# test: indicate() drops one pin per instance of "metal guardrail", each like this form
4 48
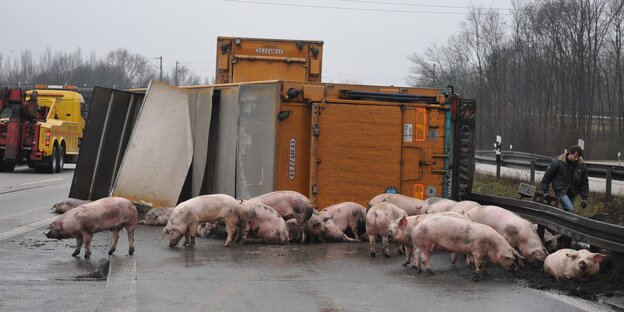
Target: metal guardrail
595 233
523 160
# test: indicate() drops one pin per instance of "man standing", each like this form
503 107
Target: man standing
568 175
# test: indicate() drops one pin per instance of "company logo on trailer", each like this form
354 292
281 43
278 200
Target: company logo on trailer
292 159
269 51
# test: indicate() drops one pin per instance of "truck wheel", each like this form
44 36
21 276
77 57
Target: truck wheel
60 159
7 166
50 162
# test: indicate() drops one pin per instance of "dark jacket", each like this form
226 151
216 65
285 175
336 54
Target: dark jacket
558 173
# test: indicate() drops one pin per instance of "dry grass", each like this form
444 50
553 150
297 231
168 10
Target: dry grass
598 209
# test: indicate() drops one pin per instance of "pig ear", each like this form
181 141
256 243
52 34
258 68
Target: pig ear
599 257
403 222
326 218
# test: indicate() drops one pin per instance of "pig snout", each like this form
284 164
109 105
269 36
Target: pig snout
174 238
582 266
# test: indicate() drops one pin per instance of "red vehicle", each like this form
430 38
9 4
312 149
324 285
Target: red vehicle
40 127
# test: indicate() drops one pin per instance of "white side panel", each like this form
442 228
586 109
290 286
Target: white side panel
160 149
255 155
225 169
201 104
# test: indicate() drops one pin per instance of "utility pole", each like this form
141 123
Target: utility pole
160 67
176 73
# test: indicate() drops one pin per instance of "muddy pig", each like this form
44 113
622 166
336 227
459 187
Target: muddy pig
465 206
570 263
378 219
187 215
264 222
411 205
111 213
343 216
158 216
400 231
437 204
462 236
65 205
517 231
289 204
315 228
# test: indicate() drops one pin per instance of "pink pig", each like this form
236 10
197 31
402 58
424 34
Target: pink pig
187 215
343 216
570 263
479 241
437 204
289 204
110 213
465 206
519 232
264 222
315 227
411 205
400 231
378 218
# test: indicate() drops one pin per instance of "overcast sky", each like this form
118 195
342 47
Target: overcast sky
365 41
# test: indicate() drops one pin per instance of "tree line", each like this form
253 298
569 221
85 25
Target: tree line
547 74
119 69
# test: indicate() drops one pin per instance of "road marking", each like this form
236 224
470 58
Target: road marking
120 292
26 228
41 181
577 302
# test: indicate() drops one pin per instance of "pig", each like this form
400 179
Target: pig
314 227
479 241
289 204
437 204
158 216
378 218
294 232
216 229
400 231
67 204
266 223
464 206
411 205
573 264
347 215
517 231
110 213
187 215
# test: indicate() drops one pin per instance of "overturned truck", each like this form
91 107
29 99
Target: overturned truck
331 142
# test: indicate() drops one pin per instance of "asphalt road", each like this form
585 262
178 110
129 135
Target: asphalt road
39 274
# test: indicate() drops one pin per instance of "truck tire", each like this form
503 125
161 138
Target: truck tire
7 166
60 159
50 161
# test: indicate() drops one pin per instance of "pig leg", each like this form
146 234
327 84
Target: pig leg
303 233
386 249
371 243
87 244
426 254
130 231
409 250
231 231
355 232
453 258
78 246
115 239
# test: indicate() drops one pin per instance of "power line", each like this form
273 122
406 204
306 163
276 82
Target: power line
342 8
416 4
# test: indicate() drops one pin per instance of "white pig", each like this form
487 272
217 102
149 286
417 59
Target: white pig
411 205
573 264
378 218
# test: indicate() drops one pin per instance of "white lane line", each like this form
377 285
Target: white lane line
579 303
26 228
41 181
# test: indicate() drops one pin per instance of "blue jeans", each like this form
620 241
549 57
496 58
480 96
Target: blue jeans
567 203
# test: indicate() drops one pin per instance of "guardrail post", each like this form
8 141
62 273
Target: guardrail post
566 242
498 165
540 231
609 180
532 171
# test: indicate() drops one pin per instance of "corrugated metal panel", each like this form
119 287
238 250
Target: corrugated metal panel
112 115
160 150
225 169
255 168
359 150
